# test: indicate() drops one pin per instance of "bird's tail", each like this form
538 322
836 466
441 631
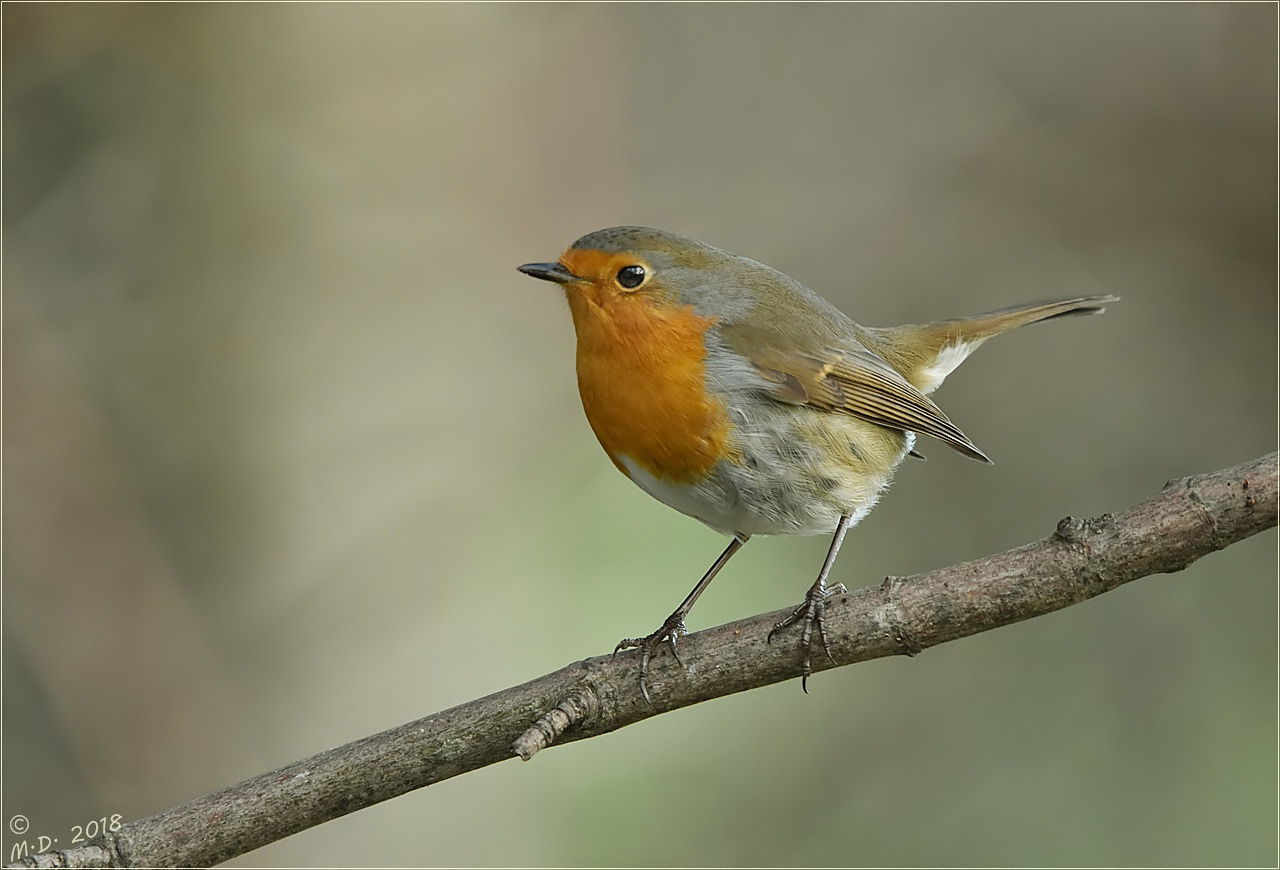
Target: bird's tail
927 353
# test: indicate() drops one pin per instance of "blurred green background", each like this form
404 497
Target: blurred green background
293 454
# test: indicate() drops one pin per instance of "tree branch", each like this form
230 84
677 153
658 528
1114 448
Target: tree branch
1189 519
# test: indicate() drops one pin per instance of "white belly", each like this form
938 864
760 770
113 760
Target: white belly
783 487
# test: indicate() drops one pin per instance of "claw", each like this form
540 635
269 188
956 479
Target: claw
673 627
810 612
814 607
649 646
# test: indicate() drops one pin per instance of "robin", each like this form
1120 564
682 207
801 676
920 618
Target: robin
740 397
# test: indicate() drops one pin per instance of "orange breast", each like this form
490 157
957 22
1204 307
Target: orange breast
641 373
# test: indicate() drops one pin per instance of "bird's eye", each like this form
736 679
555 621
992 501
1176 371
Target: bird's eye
631 277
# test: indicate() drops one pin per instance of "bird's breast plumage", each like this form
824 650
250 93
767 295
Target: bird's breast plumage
642 379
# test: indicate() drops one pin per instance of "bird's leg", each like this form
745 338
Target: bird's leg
674 624
814 607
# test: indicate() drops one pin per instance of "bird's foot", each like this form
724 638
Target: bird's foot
649 646
812 611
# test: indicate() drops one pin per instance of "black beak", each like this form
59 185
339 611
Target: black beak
549 272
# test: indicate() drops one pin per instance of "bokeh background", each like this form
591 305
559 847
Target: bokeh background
293 454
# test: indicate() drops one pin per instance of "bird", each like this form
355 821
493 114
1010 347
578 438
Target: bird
738 396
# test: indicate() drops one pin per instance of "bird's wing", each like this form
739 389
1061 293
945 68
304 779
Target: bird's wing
849 380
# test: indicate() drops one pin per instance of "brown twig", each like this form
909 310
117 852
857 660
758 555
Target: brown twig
1189 519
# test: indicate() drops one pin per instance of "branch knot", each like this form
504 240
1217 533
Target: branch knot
576 708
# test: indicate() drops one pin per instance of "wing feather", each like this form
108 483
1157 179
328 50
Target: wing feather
850 380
